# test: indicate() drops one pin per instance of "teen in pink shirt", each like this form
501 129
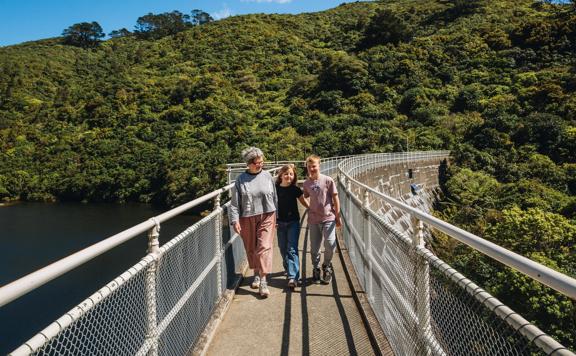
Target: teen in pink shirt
323 218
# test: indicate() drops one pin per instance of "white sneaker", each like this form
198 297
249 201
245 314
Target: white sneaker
264 291
255 283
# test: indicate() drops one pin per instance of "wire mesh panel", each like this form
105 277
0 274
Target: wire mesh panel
233 255
463 325
191 318
160 305
459 324
395 293
183 261
187 286
353 233
114 324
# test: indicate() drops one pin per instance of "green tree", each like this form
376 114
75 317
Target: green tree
548 132
465 7
535 231
469 188
84 34
470 196
548 239
469 99
542 168
386 27
529 193
153 26
200 17
123 32
344 72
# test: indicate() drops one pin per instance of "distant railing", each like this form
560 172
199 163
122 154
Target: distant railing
423 305
329 166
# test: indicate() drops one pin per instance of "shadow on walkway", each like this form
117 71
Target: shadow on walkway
311 320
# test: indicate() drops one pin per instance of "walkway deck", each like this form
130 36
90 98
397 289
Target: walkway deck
312 320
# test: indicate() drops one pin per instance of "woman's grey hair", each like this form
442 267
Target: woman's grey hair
251 153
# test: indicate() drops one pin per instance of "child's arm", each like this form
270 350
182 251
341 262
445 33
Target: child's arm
303 201
336 203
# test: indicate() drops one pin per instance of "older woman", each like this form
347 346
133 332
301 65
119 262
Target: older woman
253 216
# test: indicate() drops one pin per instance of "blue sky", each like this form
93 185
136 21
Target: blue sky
29 20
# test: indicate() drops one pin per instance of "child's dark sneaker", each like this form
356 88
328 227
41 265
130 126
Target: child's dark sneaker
316 276
327 272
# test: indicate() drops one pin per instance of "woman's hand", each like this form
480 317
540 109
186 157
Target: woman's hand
237 227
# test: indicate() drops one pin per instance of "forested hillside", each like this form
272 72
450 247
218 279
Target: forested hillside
153 119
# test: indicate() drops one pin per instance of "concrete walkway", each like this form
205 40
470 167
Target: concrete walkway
312 320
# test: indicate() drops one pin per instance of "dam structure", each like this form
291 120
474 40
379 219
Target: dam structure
391 295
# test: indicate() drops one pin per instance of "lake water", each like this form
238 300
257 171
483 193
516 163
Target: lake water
33 235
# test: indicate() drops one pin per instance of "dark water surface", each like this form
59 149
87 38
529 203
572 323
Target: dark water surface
33 235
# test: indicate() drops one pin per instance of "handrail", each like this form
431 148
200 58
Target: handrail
553 279
242 166
21 286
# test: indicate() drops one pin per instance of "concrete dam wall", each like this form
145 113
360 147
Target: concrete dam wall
416 183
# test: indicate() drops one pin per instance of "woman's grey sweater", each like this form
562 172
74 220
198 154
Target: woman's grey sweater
253 194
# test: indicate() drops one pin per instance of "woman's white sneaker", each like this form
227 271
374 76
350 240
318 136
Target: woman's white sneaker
255 282
264 291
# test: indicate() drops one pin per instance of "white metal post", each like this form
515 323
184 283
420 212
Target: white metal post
368 243
348 185
218 243
152 322
421 282
229 172
348 218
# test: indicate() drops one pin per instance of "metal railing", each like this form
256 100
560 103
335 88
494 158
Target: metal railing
162 304
423 305
329 166
159 306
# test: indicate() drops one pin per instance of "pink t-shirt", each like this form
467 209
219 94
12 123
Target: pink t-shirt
320 192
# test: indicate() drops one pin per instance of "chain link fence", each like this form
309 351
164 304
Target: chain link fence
160 306
423 305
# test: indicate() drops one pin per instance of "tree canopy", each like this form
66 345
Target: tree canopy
155 26
200 17
84 34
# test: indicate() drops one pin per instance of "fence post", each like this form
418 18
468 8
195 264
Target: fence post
218 242
348 185
368 243
421 282
152 323
346 215
229 173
